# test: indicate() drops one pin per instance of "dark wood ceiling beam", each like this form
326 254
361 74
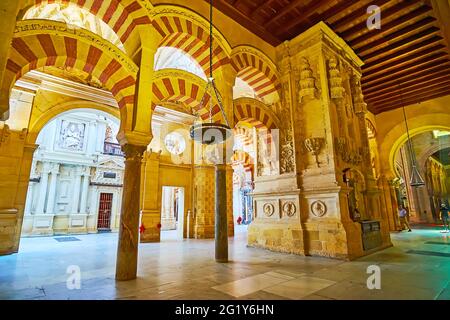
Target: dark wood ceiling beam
304 14
403 52
425 97
396 91
406 85
417 90
355 15
415 71
407 69
386 65
288 9
392 25
426 34
408 100
245 21
398 35
412 76
259 9
353 32
322 17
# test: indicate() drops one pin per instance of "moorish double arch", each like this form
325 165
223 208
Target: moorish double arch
181 87
249 108
49 43
185 30
258 71
122 16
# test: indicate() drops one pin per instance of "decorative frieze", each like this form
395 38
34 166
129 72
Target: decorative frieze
307 81
337 90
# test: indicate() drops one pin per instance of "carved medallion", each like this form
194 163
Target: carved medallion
268 209
318 208
289 208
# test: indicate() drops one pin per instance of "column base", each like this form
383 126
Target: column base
78 223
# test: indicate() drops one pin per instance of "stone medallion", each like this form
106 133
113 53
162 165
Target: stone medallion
318 208
289 208
268 209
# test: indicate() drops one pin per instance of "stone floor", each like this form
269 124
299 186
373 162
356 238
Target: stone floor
417 267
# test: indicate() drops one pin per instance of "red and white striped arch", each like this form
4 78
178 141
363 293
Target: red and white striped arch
182 87
258 72
36 49
123 16
187 31
248 108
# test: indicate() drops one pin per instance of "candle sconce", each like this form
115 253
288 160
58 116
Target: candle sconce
314 145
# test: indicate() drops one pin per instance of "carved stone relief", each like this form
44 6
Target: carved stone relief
289 208
318 208
268 209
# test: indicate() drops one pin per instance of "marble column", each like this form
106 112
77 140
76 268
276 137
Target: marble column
84 192
127 251
76 190
221 224
42 188
52 191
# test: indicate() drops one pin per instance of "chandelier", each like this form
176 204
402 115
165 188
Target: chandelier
416 179
211 132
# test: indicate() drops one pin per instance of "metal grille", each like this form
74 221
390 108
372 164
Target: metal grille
104 211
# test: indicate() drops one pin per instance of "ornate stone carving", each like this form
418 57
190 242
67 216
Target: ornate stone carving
287 160
307 81
344 151
358 98
71 136
289 208
336 89
318 208
268 209
133 152
314 145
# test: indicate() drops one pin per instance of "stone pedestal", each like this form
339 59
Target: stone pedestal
43 224
127 251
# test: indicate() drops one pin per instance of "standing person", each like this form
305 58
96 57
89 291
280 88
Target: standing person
444 217
403 214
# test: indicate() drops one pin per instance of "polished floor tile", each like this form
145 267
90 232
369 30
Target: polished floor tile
186 269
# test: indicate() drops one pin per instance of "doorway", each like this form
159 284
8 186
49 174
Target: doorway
104 212
172 213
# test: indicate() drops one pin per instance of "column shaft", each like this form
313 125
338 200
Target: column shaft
52 192
84 194
127 251
221 225
42 192
76 192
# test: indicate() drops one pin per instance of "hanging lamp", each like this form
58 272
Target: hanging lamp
210 132
416 179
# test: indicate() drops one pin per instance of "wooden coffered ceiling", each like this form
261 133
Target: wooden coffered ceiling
406 61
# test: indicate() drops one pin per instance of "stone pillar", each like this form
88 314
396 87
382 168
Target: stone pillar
43 184
52 191
127 251
84 191
221 224
151 211
76 190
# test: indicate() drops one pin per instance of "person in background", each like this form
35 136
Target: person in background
403 214
444 216
239 220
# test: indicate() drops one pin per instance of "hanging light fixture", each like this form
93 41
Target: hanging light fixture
416 179
211 132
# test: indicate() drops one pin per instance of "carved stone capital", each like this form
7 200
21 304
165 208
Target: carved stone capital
133 152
